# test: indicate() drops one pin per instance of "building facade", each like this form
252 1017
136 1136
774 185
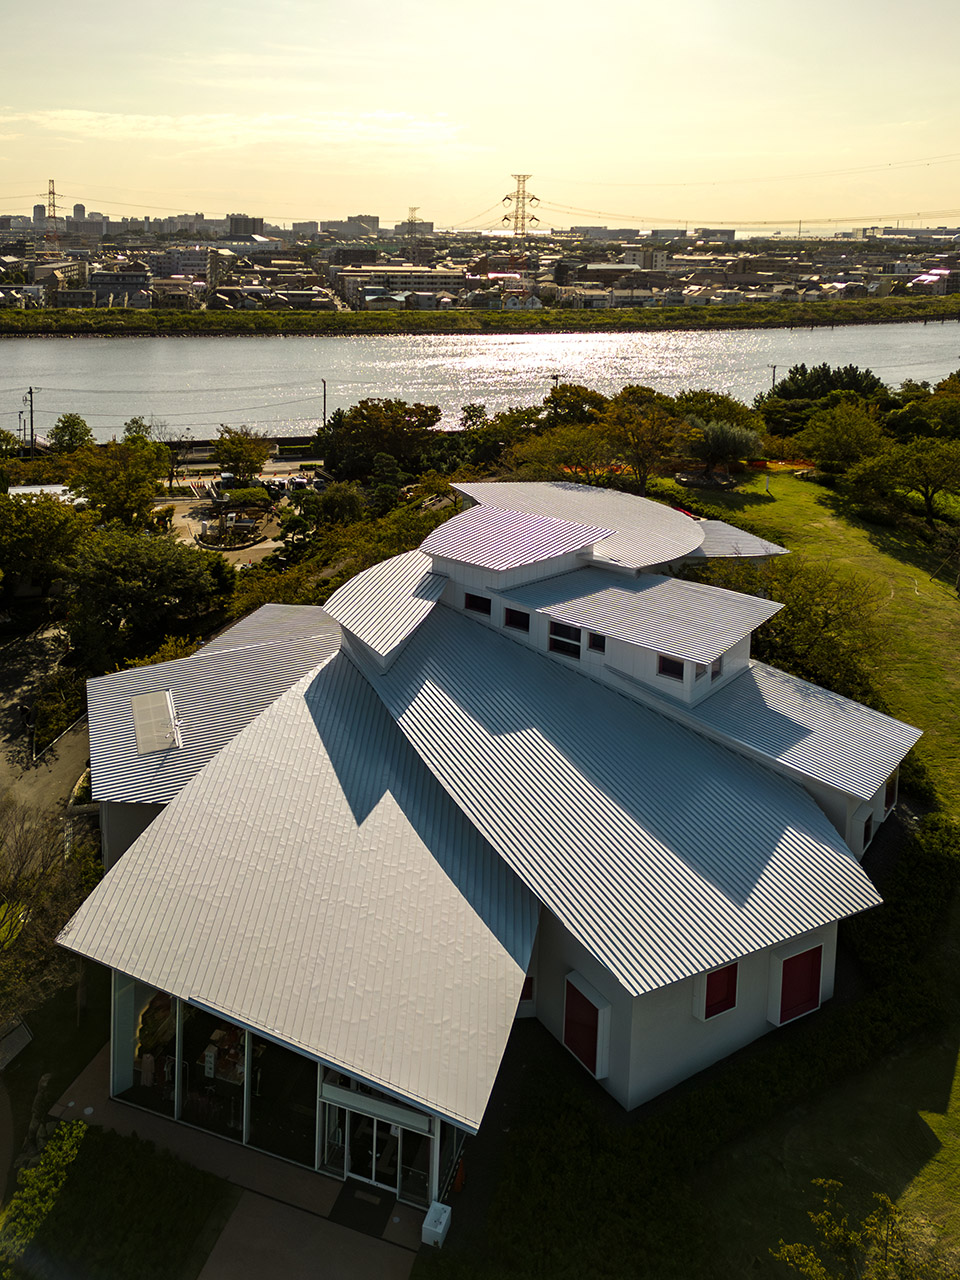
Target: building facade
522 771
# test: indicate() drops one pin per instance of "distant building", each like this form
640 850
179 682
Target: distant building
362 224
39 214
649 259
724 236
306 228
241 225
668 233
79 212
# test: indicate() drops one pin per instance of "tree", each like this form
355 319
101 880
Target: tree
571 405
576 452
718 442
241 451
178 444
838 437
923 466
883 1245
802 383
137 428
120 480
127 588
9 444
831 629
39 537
41 886
70 433
642 428
353 439
710 405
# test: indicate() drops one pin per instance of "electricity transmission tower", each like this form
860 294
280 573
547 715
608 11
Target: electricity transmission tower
53 231
523 203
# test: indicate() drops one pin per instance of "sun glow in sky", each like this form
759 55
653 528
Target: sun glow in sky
623 113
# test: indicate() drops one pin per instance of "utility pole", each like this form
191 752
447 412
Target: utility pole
773 380
324 381
28 400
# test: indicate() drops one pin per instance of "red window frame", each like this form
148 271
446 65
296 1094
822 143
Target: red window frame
581 1026
720 990
800 979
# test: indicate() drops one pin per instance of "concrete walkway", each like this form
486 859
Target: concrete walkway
280 1226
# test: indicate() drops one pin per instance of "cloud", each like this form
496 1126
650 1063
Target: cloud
232 131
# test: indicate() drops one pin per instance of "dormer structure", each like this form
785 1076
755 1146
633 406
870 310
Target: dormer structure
520 771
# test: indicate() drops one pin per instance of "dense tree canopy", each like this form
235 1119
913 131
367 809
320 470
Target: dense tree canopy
69 433
39 537
120 480
241 451
354 438
839 436
41 885
719 443
128 588
830 630
925 467
643 429
802 383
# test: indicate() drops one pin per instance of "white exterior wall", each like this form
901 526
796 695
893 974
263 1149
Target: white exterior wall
669 1042
120 825
558 953
656 1040
471 578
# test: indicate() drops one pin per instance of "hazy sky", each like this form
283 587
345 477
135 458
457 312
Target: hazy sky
624 112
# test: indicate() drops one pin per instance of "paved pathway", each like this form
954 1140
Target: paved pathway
280 1226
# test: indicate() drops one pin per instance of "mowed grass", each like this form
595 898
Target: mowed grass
895 1129
920 606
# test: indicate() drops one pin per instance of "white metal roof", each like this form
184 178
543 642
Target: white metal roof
645 533
384 605
681 619
216 692
272 622
725 540
315 883
493 538
664 854
818 733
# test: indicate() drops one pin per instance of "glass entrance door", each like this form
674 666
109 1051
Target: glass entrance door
333 1145
374 1151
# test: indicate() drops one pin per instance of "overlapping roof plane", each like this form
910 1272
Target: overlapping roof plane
383 606
644 533
682 619
498 539
819 734
628 827
216 692
314 883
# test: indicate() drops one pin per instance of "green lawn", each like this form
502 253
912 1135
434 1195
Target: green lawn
894 1128
156 1217
921 676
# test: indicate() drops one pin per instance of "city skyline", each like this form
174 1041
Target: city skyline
626 116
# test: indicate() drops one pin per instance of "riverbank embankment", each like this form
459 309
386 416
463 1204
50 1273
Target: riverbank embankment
120 322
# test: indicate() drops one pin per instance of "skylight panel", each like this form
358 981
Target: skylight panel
155 721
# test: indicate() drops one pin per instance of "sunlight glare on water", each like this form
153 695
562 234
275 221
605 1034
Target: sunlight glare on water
276 384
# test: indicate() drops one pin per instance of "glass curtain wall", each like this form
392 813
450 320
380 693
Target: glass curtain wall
144 1045
283 1102
241 1086
213 1067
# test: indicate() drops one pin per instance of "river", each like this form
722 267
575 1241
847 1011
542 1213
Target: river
276 383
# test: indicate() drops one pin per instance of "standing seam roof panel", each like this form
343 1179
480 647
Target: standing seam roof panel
627 826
